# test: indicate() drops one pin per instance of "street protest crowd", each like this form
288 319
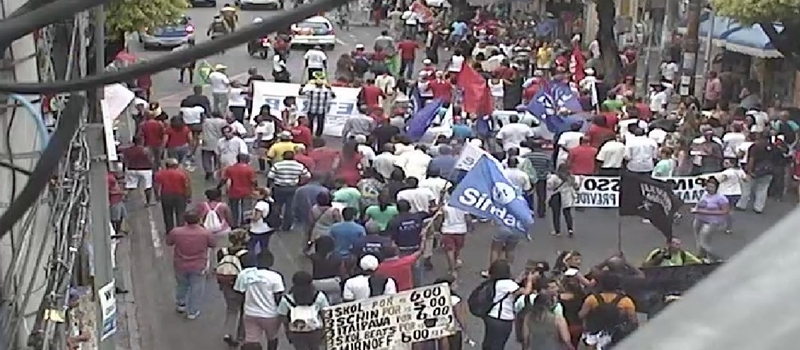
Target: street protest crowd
517 123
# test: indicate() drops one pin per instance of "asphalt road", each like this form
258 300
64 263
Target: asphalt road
159 327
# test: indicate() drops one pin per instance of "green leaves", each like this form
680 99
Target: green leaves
754 11
127 16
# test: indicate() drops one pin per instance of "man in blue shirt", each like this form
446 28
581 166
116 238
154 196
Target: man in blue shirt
347 232
459 31
371 244
405 229
444 163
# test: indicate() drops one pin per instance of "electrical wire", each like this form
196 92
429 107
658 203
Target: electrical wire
14 167
35 114
16 27
68 123
175 59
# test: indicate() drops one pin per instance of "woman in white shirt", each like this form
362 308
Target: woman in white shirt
237 103
496 87
730 186
266 127
499 321
260 231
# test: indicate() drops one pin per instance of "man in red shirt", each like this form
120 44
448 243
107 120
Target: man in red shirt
190 243
408 53
324 157
370 94
152 132
581 159
241 180
599 131
174 190
301 133
400 268
301 156
441 88
116 196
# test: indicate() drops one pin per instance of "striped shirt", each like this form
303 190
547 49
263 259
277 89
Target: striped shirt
538 163
287 173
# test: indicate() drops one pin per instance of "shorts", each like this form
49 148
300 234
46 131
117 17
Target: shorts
505 239
117 212
599 340
255 327
452 242
196 128
136 178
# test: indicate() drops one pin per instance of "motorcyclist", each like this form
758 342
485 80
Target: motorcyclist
217 28
257 45
230 15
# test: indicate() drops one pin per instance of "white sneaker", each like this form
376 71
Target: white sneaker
645 221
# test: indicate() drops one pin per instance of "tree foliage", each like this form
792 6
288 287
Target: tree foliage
127 16
757 11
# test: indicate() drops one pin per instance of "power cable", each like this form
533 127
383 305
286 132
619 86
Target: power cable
68 123
177 58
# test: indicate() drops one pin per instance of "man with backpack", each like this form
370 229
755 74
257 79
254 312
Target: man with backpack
263 289
608 315
367 283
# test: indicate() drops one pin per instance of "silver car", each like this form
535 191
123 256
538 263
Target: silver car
168 36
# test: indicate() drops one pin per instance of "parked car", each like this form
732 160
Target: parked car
313 31
203 3
265 4
168 36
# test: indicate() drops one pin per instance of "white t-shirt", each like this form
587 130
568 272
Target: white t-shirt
367 152
357 288
420 198
414 162
238 128
503 298
192 115
410 18
219 82
611 154
236 98
518 178
514 134
437 185
668 70
658 135
731 182
744 147
455 221
260 226
496 88
568 141
658 101
624 123
315 58
266 129
640 151
456 63
731 142
259 296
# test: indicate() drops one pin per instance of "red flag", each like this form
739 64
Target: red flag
477 97
577 63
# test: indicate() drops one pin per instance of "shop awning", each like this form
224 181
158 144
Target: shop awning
751 41
721 25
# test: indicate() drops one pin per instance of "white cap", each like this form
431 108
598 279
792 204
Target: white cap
427 61
369 263
359 46
589 71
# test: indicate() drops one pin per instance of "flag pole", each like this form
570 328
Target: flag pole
619 233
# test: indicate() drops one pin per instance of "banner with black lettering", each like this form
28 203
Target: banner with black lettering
648 198
603 191
390 322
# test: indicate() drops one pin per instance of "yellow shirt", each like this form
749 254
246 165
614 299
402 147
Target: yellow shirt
544 57
276 151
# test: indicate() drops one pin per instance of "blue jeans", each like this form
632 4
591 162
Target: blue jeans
189 286
238 207
259 242
181 153
284 198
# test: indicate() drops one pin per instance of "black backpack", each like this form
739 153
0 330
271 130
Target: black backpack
607 317
377 285
273 218
481 300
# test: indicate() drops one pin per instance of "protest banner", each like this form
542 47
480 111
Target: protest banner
390 322
344 106
603 191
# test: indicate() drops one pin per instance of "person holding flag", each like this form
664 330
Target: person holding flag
487 193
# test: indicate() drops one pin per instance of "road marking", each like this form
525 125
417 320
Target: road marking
341 42
154 235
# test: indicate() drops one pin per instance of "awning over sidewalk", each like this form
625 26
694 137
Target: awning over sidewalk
751 41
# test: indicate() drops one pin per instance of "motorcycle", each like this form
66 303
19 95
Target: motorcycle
260 47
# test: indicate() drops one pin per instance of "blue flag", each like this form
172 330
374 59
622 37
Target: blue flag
548 100
415 100
487 193
422 120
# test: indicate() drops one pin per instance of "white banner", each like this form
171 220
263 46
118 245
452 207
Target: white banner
272 94
603 191
470 154
390 322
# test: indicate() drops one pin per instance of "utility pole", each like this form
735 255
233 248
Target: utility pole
104 288
691 45
22 148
